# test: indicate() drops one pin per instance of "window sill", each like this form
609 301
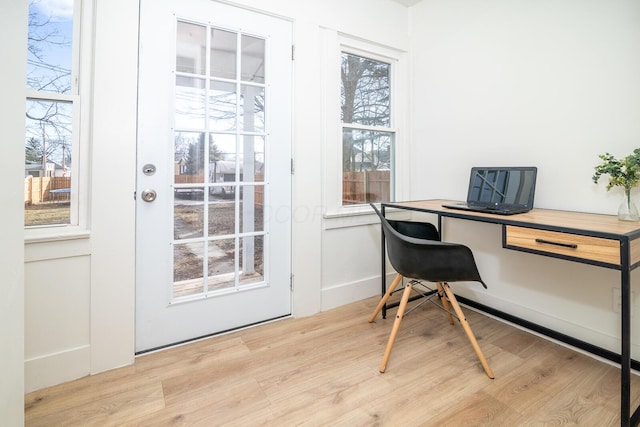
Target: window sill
357 216
54 234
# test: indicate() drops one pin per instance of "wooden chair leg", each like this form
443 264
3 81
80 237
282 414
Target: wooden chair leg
467 329
396 326
445 301
386 296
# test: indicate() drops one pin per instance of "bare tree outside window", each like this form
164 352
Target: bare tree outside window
49 47
367 137
49 113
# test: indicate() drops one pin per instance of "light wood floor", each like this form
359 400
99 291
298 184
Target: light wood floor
323 370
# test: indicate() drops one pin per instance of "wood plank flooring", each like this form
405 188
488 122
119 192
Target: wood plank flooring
323 370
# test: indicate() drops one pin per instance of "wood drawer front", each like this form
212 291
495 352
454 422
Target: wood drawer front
555 242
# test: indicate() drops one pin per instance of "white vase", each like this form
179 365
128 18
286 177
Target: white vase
628 211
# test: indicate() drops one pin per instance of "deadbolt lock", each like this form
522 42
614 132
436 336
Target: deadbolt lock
149 169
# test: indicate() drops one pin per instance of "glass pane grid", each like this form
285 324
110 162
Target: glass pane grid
218 227
367 133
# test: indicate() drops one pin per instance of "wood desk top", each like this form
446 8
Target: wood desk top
583 223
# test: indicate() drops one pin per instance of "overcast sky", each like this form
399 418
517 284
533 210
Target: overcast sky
58 10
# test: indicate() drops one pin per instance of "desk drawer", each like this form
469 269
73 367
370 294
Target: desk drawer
563 244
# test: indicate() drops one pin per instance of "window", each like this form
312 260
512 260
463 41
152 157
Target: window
363 127
367 133
52 113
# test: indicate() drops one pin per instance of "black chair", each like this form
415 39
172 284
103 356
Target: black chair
416 253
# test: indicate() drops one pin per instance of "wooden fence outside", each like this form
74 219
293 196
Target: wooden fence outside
41 189
259 191
366 186
357 187
199 179
189 179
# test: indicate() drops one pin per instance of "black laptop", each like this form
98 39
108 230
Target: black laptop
500 190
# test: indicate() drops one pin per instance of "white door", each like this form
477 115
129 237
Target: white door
214 171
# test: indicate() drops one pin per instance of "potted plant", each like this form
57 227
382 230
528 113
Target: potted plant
624 173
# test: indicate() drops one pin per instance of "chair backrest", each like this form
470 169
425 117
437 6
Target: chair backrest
419 230
416 256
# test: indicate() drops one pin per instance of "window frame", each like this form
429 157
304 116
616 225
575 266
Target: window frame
79 98
334 45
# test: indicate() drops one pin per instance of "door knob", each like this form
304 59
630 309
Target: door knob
149 195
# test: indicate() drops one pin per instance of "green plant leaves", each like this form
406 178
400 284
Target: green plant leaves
622 172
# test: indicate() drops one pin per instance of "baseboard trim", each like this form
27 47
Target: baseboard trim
346 293
56 368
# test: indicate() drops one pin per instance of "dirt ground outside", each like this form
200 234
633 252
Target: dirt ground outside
189 221
47 214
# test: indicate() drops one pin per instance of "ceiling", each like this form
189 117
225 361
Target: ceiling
407 2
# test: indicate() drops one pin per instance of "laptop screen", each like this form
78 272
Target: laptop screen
500 186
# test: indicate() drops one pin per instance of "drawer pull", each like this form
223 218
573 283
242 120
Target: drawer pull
564 245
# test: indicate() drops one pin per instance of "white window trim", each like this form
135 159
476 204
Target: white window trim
334 44
81 81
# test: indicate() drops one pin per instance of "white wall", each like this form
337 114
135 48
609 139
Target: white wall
13 21
57 312
544 83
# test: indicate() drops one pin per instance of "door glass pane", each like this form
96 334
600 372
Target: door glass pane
189 157
188 213
251 260
223 175
188 269
222 216
190 48
222 155
223 53
221 264
252 59
216 150
190 105
251 208
222 106
47 150
252 153
251 108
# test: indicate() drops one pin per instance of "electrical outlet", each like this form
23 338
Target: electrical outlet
617 301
